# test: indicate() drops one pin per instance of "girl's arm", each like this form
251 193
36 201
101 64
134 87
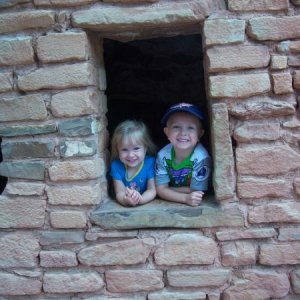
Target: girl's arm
121 195
150 193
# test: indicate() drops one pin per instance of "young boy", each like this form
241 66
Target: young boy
183 167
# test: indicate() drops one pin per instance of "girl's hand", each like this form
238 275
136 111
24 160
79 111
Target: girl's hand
132 197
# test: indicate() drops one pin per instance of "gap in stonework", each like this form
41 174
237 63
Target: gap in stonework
3 179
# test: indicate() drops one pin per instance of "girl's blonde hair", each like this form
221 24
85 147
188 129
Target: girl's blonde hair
132 131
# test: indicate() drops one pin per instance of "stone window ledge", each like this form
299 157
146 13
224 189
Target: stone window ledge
164 214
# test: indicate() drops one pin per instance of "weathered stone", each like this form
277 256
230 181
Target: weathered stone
126 252
77 148
239 86
195 278
28 149
296 185
72 282
186 249
278 62
296 2
294 61
68 219
224 31
259 233
23 169
22 212
76 170
261 108
129 281
9 3
130 18
223 176
14 285
282 83
289 234
58 77
100 234
74 103
62 47
262 28
176 295
25 188
19 250
266 160
254 284
130 1
253 5
249 132
281 212
74 194
31 107
18 130
58 258
61 237
238 254
295 279
224 59
279 254
6 82
26 20
259 188
16 51
159 214
63 3
291 124
296 80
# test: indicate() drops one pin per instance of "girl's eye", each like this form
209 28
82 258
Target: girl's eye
136 148
124 149
191 128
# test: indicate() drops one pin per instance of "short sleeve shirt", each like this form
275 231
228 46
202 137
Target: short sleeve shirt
193 172
140 180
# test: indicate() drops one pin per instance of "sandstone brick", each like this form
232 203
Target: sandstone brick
261 108
19 250
18 108
259 233
22 212
9 3
256 284
295 279
296 80
213 296
249 132
279 254
224 31
14 285
26 20
74 194
25 188
293 61
278 62
77 148
225 59
260 188
58 258
296 2
289 234
16 51
72 282
253 5
224 86
19 130
23 169
126 252
296 185
129 281
186 249
76 170
262 28
58 77
197 278
63 3
282 83
176 295
74 103
68 219
238 254
28 149
224 177
281 212
6 82
130 1
62 47
266 160
61 237
99 234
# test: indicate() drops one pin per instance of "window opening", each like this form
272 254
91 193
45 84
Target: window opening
3 179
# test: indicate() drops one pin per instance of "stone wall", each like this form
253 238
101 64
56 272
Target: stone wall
54 142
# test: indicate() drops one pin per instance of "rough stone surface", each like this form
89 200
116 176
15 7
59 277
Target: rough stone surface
77 148
178 295
58 258
279 62
296 185
6 82
253 5
295 277
246 234
282 83
68 219
61 237
9 3
62 3
289 234
296 80
25 188
19 130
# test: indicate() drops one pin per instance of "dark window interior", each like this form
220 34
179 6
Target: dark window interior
3 180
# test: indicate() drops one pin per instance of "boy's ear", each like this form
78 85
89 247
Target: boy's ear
201 132
166 131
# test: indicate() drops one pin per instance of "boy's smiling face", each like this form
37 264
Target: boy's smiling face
183 130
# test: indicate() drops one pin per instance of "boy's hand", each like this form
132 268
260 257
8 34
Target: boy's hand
194 198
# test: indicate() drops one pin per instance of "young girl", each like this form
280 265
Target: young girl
132 171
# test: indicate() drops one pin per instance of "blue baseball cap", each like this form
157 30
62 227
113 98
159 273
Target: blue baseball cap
179 107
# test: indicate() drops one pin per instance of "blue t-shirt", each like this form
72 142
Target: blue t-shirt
140 180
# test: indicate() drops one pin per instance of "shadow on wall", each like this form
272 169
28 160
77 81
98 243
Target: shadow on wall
3 180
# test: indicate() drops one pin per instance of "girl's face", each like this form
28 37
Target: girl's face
183 131
131 153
